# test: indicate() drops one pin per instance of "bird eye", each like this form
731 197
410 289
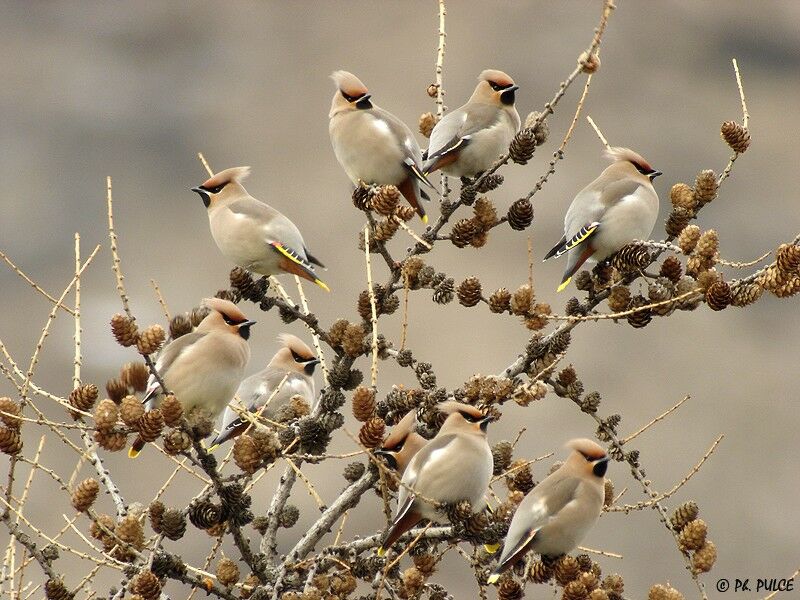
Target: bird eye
349 98
642 170
228 320
215 190
297 357
495 86
470 417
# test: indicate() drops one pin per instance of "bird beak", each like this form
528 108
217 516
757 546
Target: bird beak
655 174
203 194
365 97
247 324
513 88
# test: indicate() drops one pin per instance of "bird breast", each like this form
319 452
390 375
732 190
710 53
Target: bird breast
367 149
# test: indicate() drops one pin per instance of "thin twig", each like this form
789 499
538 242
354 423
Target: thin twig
598 132
161 300
33 284
373 308
653 422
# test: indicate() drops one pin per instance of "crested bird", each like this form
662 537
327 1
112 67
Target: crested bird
251 233
455 465
618 207
295 361
402 443
372 145
558 513
203 368
469 139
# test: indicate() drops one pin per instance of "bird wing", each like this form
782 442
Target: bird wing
565 245
167 357
455 129
412 155
539 507
275 226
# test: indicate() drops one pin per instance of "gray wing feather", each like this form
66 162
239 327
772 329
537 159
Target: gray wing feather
168 356
460 124
276 226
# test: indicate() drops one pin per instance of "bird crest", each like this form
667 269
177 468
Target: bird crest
236 174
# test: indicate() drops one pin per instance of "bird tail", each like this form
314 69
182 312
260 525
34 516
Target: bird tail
405 520
292 262
575 262
410 190
136 447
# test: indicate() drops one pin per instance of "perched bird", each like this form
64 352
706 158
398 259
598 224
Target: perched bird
402 443
558 513
295 361
616 208
455 465
203 368
251 233
469 139
372 145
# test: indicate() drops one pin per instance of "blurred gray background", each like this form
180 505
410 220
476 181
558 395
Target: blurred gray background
135 90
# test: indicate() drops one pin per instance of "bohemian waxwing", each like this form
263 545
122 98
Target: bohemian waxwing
455 465
558 513
402 443
203 368
616 208
251 233
295 360
372 145
469 139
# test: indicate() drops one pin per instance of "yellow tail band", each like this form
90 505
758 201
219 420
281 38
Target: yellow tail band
493 578
132 452
381 551
564 284
321 284
491 548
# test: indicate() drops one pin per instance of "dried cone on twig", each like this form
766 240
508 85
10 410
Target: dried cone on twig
677 220
705 186
105 415
540 572
469 292
688 238
566 569
509 590
173 524
85 494
176 441
427 121
116 390
179 325
632 257
787 259
227 572
151 339
363 403
112 441
54 589
246 454
619 298
135 375
147 585
744 294
171 410
671 269
520 214
131 410
523 145
150 425
84 397
660 592
705 557
500 301
683 196
124 329
718 295
736 136
371 432
693 535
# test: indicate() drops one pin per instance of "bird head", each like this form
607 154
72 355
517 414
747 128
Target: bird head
294 356
225 316
494 87
464 417
588 457
225 184
631 162
402 443
350 94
